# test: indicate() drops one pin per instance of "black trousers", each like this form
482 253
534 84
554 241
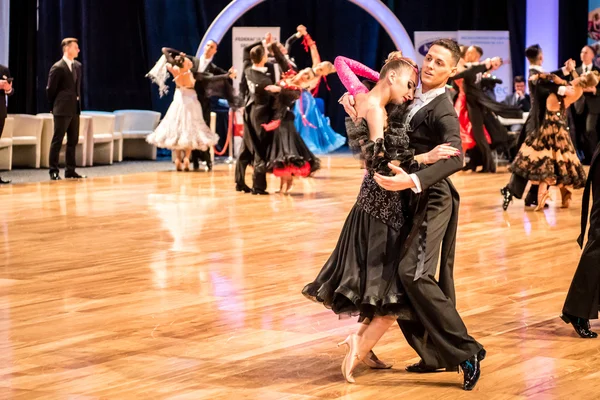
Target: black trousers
439 335
246 157
70 126
591 134
583 297
517 184
483 147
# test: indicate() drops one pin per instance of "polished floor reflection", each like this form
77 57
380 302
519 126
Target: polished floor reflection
173 286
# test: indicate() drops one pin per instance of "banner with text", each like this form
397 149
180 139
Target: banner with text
423 40
594 27
245 36
494 44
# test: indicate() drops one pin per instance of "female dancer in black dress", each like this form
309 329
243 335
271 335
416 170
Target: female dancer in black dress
360 277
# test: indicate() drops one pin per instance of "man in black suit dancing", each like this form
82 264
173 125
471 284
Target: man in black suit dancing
64 94
6 89
438 333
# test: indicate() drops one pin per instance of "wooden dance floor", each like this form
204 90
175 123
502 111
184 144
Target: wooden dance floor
171 285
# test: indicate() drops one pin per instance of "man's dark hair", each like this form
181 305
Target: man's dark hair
451 45
532 53
67 41
519 79
257 54
592 49
479 50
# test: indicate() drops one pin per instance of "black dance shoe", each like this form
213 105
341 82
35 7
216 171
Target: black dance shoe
581 326
74 175
54 176
244 188
508 197
472 370
260 192
3 182
421 368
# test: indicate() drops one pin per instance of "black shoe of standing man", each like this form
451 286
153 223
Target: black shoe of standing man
3 182
74 175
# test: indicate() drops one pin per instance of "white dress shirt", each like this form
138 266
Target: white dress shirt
204 63
69 63
420 101
586 68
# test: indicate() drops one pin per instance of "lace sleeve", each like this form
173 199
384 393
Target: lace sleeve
349 70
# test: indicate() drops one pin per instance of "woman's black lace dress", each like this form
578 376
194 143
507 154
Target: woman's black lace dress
360 277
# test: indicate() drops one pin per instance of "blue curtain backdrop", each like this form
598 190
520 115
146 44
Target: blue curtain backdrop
121 39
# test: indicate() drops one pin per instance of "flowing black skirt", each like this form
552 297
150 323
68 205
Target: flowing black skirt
288 154
360 277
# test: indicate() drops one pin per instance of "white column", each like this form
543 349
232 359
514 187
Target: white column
542 28
4 30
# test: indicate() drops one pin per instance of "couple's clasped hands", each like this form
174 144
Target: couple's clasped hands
401 180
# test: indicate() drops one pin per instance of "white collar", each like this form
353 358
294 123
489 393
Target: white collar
204 60
538 68
260 69
583 66
430 95
69 62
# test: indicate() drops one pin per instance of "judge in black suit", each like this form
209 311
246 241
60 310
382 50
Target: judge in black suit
6 89
589 106
519 99
517 184
259 110
438 334
582 300
205 71
64 94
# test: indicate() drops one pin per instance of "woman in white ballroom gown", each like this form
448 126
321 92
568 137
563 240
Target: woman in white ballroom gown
183 128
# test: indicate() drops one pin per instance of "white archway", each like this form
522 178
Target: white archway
376 8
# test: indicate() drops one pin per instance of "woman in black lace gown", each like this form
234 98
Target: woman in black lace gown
360 277
548 157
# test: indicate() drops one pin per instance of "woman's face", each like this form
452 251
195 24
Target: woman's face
304 76
324 68
403 85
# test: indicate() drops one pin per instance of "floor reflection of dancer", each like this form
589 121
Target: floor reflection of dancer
582 300
183 128
360 276
313 125
548 157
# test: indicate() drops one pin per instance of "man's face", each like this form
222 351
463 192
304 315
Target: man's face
472 55
587 56
520 87
210 49
72 50
438 66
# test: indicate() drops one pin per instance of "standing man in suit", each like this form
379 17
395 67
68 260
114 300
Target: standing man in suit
64 94
6 89
591 102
